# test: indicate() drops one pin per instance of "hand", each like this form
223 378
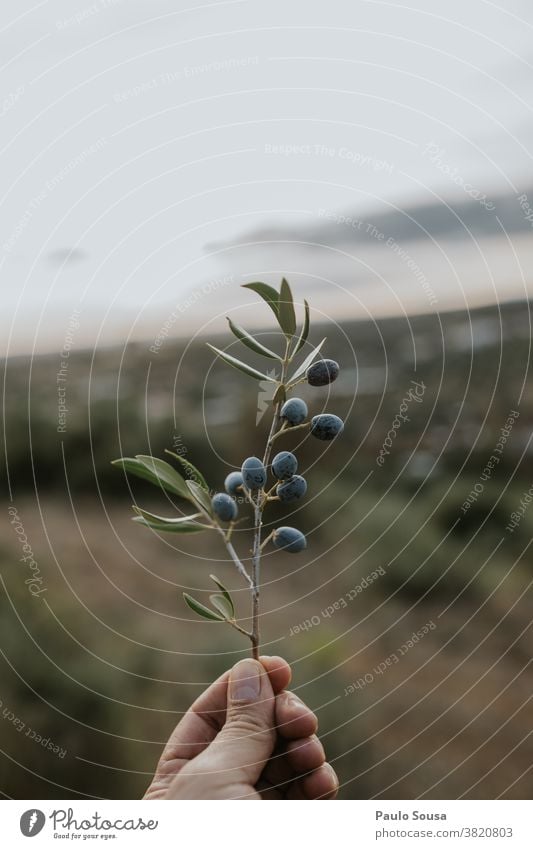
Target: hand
246 737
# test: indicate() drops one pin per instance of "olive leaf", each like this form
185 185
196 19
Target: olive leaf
250 342
167 476
223 606
306 363
174 525
199 495
191 469
268 293
286 316
135 467
225 593
232 361
156 471
202 610
302 339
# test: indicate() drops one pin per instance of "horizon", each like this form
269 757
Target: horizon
219 329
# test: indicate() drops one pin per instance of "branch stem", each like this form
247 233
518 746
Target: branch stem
256 565
258 513
238 628
267 540
290 430
235 557
296 382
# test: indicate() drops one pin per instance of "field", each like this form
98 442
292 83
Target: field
413 530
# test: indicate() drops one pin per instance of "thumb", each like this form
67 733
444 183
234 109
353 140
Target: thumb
247 739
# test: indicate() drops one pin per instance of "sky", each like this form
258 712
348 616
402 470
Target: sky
154 154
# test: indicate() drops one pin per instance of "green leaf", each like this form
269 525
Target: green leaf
162 471
156 471
202 610
184 528
302 339
224 607
174 525
134 467
192 470
268 293
250 342
225 593
200 496
241 366
287 317
154 517
306 363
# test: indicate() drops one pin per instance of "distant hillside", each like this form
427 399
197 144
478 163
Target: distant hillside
457 219
476 367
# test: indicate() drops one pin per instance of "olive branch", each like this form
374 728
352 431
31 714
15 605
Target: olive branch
219 512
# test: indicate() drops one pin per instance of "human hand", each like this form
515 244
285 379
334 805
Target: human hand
246 737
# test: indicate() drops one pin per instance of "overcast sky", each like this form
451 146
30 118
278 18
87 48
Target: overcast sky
144 143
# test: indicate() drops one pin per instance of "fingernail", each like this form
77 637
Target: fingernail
245 681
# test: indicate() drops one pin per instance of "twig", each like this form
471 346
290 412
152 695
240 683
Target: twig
238 628
229 546
235 557
289 430
256 564
267 540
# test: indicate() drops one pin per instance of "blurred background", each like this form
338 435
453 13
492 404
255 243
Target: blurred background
155 157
